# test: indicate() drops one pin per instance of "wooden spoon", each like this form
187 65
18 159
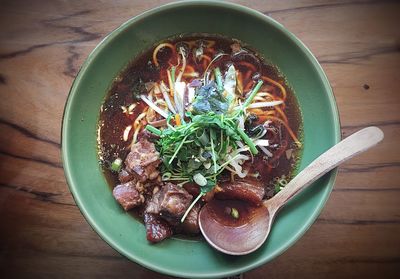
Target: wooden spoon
249 231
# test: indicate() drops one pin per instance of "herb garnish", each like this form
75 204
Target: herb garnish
203 147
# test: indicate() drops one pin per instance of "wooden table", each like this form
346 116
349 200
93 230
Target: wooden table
43 44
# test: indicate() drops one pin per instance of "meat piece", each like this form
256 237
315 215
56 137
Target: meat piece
124 176
143 160
127 195
192 188
171 202
249 190
157 229
191 223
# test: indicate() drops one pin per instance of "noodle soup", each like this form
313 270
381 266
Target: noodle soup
197 118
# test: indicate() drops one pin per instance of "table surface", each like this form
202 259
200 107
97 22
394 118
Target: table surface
43 44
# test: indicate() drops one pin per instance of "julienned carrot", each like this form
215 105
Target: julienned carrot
177 119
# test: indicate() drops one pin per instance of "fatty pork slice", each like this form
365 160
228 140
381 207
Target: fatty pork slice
170 202
127 195
143 160
249 190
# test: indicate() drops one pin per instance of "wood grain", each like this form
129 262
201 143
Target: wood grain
335 156
42 45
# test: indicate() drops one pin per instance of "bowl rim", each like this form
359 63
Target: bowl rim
170 6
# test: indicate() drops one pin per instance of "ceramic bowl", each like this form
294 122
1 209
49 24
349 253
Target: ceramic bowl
177 256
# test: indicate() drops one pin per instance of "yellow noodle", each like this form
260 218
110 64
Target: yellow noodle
283 90
157 49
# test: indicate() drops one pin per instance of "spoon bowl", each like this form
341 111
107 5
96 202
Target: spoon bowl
234 236
250 228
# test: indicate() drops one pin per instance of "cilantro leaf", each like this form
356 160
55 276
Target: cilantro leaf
209 99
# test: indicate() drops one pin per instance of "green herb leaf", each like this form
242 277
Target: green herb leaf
208 187
200 179
194 164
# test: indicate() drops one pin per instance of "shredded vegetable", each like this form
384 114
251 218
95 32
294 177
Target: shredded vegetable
163 113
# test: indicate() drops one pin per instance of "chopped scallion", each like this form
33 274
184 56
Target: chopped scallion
234 213
248 141
116 165
153 130
253 94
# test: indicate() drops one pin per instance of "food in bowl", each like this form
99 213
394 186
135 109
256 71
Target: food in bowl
197 117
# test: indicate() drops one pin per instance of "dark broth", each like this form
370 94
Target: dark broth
130 82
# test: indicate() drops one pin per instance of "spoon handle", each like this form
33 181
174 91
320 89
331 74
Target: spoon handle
344 150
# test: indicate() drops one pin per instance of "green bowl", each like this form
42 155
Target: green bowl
183 257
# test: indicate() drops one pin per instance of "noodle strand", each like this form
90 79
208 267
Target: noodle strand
158 48
283 90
